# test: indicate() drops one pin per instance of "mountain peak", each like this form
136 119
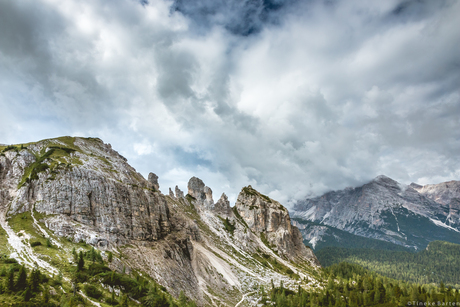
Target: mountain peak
200 192
383 179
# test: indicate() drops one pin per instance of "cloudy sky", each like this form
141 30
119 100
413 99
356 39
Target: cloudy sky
295 97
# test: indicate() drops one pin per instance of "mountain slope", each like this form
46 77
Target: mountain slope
319 236
383 209
81 190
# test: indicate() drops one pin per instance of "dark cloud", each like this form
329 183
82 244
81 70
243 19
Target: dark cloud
293 97
239 17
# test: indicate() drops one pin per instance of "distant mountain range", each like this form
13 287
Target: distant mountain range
407 216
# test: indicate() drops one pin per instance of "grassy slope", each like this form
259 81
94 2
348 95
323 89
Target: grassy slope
63 259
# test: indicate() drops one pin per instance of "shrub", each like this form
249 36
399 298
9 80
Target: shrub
229 226
96 268
92 291
10 260
109 256
35 243
111 301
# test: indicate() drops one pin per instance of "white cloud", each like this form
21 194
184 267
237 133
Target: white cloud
328 96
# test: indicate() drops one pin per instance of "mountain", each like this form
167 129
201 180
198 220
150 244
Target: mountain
79 193
383 209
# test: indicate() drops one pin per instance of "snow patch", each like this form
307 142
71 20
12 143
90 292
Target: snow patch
439 223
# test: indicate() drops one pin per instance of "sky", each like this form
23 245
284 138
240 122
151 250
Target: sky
293 97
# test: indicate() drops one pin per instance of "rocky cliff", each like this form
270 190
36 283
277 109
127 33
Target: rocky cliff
85 181
382 209
80 189
271 221
447 194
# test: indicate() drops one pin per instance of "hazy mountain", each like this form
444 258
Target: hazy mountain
384 209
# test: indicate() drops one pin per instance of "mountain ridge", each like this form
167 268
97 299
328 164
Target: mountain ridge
81 190
387 210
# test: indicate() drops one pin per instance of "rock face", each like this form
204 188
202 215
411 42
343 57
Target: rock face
201 193
89 183
383 209
447 194
153 180
222 206
441 193
270 220
82 189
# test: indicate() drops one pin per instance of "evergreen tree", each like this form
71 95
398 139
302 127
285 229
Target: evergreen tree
75 255
21 281
46 295
34 279
3 271
9 281
442 287
81 262
27 294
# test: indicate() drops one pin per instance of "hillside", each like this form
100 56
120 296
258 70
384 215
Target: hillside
439 262
70 191
352 285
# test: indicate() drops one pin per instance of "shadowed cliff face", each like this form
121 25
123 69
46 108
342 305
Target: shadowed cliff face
82 190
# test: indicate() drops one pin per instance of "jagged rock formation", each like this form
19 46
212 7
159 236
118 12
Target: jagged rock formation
82 189
271 221
381 209
200 193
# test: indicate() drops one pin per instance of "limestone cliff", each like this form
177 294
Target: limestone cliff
269 219
84 181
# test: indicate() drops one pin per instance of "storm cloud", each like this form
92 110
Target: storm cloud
295 98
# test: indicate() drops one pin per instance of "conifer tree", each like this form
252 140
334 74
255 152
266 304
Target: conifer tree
21 281
34 279
75 255
9 281
81 262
